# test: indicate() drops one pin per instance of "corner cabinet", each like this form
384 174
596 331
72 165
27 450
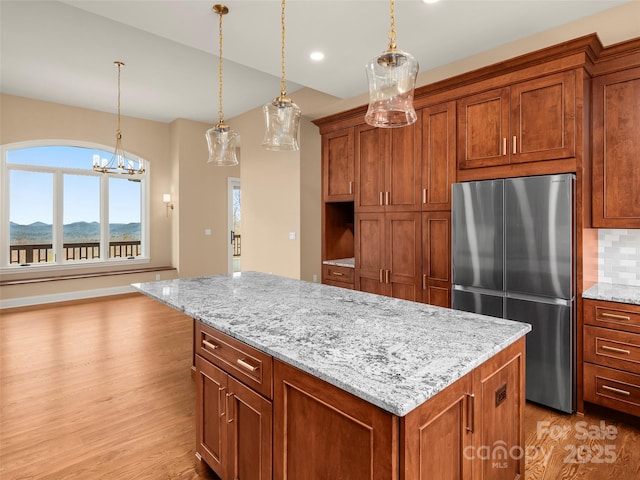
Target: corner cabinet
526 122
233 418
616 146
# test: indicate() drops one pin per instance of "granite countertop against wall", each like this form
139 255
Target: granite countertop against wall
392 353
613 293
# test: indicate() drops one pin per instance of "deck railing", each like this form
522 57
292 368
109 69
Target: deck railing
43 253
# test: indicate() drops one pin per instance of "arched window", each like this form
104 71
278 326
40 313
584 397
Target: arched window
57 212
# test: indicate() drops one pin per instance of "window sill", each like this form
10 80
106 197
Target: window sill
75 276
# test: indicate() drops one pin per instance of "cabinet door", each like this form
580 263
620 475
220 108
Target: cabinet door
249 424
616 145
483 128
370 253
436 258
322 432
498 422
438 436
543 118
372 150
338 166
438 155
211 429
403 254
402 171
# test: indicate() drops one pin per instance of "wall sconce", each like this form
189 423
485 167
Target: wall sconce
166 199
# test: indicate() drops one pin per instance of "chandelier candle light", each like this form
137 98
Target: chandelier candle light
119 163
282 116
221 140
392 78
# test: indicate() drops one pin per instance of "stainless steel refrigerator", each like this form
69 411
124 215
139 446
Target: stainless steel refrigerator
513 244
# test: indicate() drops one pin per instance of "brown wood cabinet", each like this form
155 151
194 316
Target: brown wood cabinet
388 254
321 431
387 166
526 122
436 258
612 355
233 422
616 145
438 155
338 166
338 276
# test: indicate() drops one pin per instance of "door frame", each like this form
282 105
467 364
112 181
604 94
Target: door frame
231 183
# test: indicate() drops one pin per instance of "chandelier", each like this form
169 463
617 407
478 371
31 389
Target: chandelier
119 162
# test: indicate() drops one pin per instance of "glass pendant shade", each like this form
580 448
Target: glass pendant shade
392 79
221 141
282 120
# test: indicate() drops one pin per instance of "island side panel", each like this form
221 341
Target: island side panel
499 440
321 431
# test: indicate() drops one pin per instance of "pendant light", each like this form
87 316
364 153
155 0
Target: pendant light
392 78
119 163
221 140
282 116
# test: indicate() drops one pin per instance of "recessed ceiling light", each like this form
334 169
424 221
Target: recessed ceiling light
316 56
429 1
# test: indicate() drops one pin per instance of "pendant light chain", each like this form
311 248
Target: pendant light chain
392 32
283 81
118 131
220 113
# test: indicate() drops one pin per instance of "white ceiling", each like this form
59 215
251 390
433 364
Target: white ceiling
63 51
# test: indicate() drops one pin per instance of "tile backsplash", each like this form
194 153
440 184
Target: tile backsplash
619 256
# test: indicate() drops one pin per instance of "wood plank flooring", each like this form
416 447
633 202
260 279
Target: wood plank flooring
102 390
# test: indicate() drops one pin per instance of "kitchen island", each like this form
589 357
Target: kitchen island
301 380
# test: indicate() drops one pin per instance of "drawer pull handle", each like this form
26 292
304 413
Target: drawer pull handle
227 408
616 390
337 274
424 195
246 366
616 350
471 414
211 346
617 317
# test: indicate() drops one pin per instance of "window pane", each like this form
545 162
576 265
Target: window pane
81 217
30 217
124 218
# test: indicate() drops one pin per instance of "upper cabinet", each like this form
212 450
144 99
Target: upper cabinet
387 165
616 150
337 165
526 122
438 155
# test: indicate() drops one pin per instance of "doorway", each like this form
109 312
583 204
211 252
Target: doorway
234 223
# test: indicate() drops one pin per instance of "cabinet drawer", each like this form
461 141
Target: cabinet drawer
619 316
333 283
249 365
612 388
612 348
337 274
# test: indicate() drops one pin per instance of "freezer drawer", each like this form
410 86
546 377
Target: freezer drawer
550 352
477 303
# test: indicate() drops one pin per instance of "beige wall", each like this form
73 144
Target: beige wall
310 196
270 201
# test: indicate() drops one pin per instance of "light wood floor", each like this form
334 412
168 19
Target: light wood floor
102 390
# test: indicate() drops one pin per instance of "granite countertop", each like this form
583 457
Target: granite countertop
392 353
613 293
341 262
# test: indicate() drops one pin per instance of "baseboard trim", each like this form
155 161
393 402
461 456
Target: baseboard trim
63 297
